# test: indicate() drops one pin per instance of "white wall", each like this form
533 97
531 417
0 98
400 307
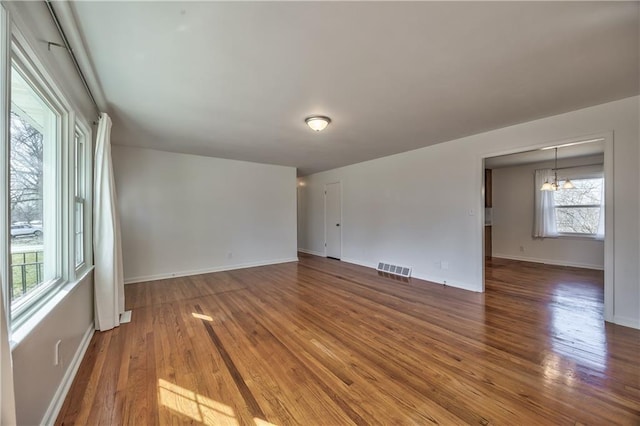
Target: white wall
186 214
512 213
424 206
39 383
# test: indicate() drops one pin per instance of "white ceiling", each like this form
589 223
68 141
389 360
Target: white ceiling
236 79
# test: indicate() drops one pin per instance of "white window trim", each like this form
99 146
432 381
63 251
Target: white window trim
577 173
17 47
85 131
5 108
30 71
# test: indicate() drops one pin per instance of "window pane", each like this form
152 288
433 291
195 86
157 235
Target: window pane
580 220
586 192
33 189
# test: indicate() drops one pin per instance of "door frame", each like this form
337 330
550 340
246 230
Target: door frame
325 216
609 255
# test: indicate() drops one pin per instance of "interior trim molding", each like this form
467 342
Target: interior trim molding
429 279
164 276
315 253
550 261
627 322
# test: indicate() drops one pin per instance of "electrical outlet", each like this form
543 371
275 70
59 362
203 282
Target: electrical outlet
522 248
230 255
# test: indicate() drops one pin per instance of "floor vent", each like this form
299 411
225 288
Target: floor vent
403 271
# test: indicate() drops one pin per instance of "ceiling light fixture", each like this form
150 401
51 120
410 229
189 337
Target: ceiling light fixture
317 122
555 185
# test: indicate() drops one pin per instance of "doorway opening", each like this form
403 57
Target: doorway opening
551 216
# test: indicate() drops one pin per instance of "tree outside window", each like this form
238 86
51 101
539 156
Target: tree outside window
578 210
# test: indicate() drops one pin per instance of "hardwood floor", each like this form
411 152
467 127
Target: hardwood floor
325 342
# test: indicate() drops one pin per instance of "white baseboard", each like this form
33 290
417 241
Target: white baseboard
626 321
315 253
549 261
53 410
431 279
207 270
450 283
360 263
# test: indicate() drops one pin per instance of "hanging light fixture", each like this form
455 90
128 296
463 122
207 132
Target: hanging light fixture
555 185
318 122
552 186
547 186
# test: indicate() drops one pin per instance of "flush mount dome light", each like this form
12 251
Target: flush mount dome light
317 122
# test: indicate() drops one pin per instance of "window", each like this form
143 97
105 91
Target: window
578 210
34 192
46 200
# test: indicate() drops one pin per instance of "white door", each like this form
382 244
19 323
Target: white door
332 220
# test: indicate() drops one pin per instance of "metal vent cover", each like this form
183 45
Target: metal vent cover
403 271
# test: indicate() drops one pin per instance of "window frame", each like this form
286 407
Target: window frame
35 62
85 133
575 176
26 63
5 110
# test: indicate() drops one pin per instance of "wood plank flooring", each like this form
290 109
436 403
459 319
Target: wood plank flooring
329 343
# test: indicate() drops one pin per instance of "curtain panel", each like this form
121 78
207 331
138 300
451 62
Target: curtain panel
544 218
108 274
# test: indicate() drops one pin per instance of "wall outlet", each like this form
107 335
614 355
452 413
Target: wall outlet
230 255
522 248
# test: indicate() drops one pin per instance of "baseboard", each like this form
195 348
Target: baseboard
627 322
315 253
449 283
431 279
549 261
207 270
359 263
53 410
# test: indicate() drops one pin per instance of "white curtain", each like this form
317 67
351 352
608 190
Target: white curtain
109 282
7 397
544 219
600 231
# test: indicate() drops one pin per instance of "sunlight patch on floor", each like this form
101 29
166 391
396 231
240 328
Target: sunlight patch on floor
195 406
202 316
260 422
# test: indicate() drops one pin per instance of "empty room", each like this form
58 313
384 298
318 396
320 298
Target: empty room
319 213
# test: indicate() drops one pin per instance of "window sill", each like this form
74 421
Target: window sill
589 237
19 334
